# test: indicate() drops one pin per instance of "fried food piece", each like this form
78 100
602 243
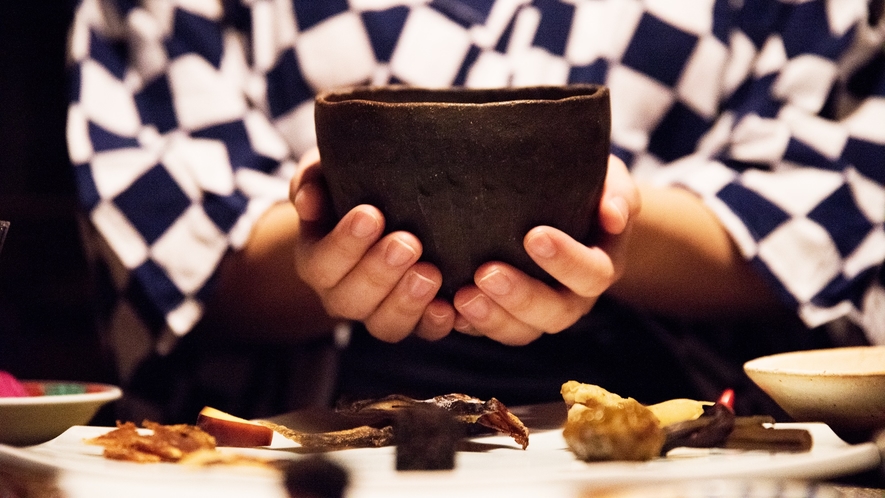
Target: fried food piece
166 443
604 426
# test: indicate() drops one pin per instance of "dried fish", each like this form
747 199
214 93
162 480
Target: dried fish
358 437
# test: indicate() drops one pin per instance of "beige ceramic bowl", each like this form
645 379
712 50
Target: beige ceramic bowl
52 408
842 387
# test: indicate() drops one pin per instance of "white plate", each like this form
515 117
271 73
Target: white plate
497 467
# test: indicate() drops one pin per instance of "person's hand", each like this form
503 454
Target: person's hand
510 307
361 274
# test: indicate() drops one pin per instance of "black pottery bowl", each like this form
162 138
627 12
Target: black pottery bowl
469 171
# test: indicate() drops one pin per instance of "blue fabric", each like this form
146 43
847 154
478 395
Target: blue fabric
678 133
472 54
286 87
808 32
843 219
659 50
842 288
105 140
161 294
594 72
761 216
867 157
239 150
801 153
464 12
754 97
197 35
89 196
109 53
384 28
155 105
309 13
553 31
152 215
225 210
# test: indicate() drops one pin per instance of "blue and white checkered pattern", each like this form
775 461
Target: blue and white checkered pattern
186 118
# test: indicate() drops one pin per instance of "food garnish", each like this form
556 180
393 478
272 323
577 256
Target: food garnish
230 430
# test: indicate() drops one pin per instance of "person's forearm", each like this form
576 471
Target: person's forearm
259 296
681 262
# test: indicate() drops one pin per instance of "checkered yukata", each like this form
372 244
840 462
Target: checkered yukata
187 118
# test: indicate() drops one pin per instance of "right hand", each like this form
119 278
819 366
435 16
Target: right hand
361 274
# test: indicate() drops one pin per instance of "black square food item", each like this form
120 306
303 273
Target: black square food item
426 438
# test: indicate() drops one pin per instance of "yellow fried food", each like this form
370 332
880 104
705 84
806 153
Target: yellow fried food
604 426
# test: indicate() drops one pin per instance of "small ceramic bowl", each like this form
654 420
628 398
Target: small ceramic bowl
51 408
842 387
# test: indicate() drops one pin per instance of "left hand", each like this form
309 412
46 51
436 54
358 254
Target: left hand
510 307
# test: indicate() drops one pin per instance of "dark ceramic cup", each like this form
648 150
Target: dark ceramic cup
468 171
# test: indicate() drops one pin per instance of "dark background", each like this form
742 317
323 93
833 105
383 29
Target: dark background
46 318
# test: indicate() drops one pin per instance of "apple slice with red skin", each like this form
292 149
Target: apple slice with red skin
230 430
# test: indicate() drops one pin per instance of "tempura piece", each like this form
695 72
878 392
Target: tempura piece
166 443
604 426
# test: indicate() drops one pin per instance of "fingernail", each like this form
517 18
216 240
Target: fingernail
419 285
298 198
477 308
461 324
620 205
362 225
437 318
541 245
496 283
398 253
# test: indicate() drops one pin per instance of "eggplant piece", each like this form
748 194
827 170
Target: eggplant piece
720 428
707 431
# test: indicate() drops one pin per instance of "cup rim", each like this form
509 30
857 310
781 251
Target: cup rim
392 95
